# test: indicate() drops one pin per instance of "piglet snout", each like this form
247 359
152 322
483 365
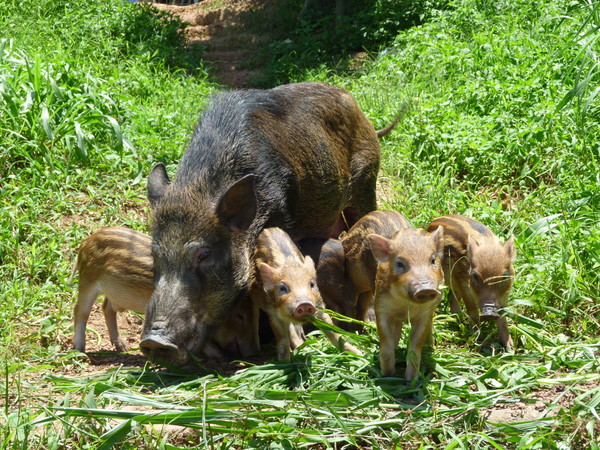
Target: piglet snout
304 310
489 312
426 295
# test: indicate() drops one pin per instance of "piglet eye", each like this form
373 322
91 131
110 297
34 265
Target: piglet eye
313 285
475 278
283 289
433 261
399 267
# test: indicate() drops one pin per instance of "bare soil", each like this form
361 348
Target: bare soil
220 29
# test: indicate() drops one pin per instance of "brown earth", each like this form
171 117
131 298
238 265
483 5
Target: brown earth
218 28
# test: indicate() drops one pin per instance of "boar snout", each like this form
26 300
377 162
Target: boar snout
304 310
155 346
489 313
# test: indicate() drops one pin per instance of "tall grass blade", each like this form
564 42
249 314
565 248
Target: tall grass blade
45 117
81 143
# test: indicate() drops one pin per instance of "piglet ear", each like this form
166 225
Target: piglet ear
438 238
268 275
237 207
510 249
472 245
158 182
380 247
309 263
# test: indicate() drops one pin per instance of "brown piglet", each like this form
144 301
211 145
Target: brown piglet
115 261
479 270
337 292
286 289
407 289
360 265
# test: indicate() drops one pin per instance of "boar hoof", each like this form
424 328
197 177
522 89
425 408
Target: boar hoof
159 349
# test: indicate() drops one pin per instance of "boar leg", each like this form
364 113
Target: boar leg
389 329
363 184
88 293
254 346
505 337
334 337
110 317
421 328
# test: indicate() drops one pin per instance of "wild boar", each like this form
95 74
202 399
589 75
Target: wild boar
479 270
118 262
302 157
286 288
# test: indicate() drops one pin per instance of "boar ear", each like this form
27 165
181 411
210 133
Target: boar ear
268 275
510 248
158 181
237 207
380 247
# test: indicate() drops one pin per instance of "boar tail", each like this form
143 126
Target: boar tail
406 106
73 270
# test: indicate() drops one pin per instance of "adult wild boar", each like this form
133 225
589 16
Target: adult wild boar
302 157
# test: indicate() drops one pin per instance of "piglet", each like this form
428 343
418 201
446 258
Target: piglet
479 270
115 261
286 289
407 289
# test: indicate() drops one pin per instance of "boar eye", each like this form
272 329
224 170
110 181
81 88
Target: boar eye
202 254
475 278
399 267
283 289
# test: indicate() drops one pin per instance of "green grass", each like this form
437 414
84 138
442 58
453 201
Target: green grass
504 129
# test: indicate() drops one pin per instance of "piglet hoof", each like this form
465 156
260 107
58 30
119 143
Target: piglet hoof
120 346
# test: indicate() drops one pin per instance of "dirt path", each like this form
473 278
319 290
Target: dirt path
223 30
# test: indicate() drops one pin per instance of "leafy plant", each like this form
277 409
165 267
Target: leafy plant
49 105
